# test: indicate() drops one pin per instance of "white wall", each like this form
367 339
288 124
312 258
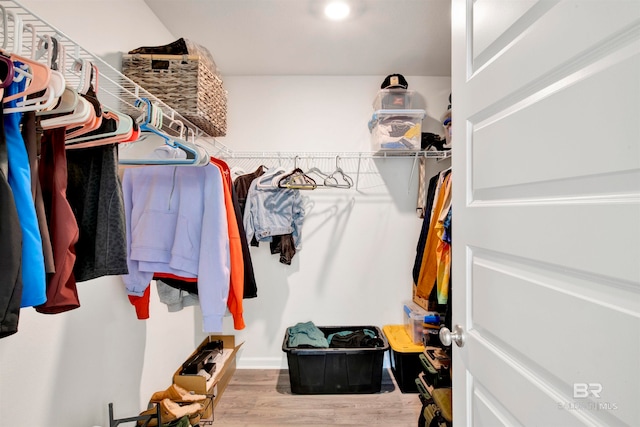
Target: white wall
358 246
354 268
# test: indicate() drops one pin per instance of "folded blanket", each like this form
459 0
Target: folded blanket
307 334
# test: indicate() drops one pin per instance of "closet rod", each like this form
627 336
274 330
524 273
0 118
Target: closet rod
331 155
114 88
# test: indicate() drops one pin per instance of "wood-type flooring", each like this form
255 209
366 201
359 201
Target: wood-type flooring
256 397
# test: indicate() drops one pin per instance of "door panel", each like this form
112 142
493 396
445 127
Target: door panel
511 147
492 31
596 323
546 196
544 58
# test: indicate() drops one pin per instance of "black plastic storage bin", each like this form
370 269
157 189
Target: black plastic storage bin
336 370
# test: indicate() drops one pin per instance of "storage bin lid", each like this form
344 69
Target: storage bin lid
415 312
398 114
400 341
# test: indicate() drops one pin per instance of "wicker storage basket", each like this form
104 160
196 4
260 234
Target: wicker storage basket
184 82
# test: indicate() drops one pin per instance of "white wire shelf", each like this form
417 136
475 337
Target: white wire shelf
117 91
291 155
114 89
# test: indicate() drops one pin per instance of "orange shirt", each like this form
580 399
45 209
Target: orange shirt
236 282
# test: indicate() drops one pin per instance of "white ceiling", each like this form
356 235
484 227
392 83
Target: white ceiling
291 37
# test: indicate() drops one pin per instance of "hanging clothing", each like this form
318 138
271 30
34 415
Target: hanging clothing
95 195
141 303
33 275
422 187
429 266
273 211
32 143
176 223
239 191
250 286
422 240
187 284
284 246
242 185
443 250
236 284
62 294
175 299
10 248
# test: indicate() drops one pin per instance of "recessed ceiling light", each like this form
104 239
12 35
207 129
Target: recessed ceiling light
337 10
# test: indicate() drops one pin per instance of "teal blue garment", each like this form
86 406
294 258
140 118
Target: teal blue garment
33 274
367 332
307 334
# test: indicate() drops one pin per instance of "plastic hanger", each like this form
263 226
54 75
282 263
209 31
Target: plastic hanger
317 172
92 124
37 73
297 180
80 115
68 100
332 179
266 180
66 104
56 85
193 155
91 95
85 70
48 45
17 31
236 171
122 132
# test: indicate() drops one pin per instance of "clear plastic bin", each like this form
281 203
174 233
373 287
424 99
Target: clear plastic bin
396 129
393 99
414 319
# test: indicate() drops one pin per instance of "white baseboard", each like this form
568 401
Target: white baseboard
262 363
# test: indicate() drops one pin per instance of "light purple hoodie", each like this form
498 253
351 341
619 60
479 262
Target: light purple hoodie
176 223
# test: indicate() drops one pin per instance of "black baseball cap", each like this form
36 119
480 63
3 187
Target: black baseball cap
394 81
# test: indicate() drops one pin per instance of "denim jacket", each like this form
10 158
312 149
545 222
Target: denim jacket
272 211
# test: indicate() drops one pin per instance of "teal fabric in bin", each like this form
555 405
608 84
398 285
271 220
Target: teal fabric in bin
307 334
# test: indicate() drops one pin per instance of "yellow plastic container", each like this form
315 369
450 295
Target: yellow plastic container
399 339
405 357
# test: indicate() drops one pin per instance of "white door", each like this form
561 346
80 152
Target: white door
546 228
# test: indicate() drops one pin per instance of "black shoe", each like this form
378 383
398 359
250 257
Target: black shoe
433 142
178 47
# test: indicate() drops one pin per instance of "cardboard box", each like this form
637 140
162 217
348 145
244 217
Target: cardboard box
220 379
